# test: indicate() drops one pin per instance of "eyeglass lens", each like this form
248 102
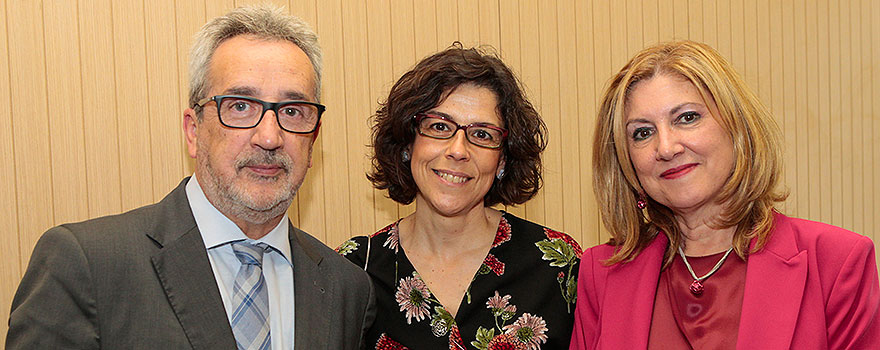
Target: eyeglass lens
479 135
245 113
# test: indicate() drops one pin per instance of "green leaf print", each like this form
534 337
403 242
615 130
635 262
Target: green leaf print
347 247
559 253
484 336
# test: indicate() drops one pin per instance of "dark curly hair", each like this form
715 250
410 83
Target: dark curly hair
425 87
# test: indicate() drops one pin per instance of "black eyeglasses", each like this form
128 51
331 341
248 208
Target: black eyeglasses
240 112
440 127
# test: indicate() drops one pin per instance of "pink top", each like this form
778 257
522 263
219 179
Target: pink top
682 320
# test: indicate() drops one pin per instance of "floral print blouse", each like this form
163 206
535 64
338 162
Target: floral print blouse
522 297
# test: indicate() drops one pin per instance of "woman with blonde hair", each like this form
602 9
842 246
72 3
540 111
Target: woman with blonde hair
687 165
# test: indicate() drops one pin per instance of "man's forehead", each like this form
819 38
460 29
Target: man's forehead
251 66
244 90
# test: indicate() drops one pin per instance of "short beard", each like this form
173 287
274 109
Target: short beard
237 202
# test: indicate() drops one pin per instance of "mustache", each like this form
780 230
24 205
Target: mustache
262 158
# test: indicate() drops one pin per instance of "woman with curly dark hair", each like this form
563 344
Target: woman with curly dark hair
458 274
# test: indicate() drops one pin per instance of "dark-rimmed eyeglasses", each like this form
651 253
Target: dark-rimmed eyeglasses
440 127
240 112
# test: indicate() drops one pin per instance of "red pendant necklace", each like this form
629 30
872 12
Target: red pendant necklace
697 285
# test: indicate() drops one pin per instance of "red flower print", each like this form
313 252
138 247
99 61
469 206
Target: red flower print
505 342
496 266
455 341
503 234
559 235
385 343
383 230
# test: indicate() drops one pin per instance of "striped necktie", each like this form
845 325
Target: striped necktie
250 298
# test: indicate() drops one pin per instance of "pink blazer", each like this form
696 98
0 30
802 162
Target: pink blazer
813 286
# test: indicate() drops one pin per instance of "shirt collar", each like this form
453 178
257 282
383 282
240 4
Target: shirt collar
218 230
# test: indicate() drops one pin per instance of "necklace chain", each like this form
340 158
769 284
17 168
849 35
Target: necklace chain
714 269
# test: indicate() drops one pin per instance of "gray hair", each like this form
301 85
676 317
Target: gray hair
265 22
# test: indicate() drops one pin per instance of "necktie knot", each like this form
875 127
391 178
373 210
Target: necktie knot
249 253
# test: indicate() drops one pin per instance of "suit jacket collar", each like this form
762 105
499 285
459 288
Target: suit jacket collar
629 301
185 273
775 280
312 292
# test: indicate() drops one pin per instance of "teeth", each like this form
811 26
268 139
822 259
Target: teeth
452 178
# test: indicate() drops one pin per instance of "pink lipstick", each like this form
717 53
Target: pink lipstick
678 171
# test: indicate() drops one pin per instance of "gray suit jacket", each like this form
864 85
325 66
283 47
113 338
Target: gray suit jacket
142 280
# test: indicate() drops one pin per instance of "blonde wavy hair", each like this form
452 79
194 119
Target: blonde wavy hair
750 192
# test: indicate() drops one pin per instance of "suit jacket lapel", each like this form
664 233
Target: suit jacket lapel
311 311
629 303
775 281
186 275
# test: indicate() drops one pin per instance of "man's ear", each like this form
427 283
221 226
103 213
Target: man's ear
190 121
312 145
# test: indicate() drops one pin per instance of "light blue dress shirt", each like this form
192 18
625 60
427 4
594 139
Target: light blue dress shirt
218 231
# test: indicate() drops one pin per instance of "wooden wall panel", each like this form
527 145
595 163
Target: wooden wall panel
381 78
356 121
11 265
548 52
163 85
98 106
65 112
117 77
335 141
30 123
568 126
511 50
133 128
530 75
587 99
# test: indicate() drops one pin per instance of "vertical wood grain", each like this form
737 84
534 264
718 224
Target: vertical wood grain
550 90
190 16
335 164
568 124
511 47
381 78
98 108
30 123
307 209
133 128
11 266
869 120
856 117
163 94
356 122
587 98
799 116
64 95
426 28
836 110
846 118
531 46
811 111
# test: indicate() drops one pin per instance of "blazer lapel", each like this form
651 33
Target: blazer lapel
311 311
186 275
629 301
775 281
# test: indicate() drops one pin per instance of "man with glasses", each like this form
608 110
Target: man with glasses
216 264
